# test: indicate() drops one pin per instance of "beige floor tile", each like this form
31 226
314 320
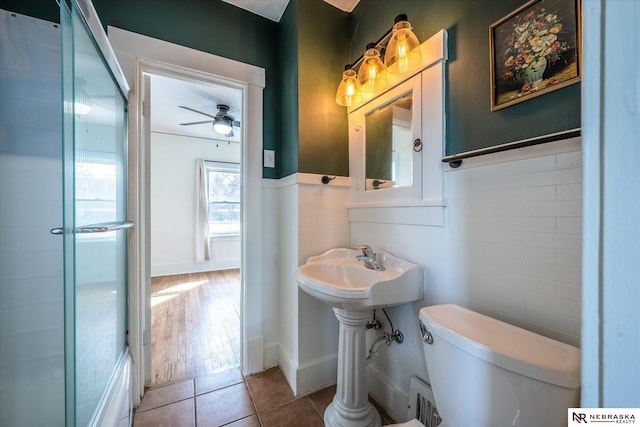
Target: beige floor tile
270 390
297 413
262 374
163 395
223 406
218 380
251 421
322 398
176 414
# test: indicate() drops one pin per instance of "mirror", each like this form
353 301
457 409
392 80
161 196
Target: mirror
389 146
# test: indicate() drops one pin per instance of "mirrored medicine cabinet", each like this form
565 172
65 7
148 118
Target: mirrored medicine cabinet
386 128
388 145
396 139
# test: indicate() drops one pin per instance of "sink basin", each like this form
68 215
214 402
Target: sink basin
337 278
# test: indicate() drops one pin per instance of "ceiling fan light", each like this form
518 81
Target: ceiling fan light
222 126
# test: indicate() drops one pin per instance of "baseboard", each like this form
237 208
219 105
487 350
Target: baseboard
172 269
115 409
271 355
391 398
317 374
254 354
288 367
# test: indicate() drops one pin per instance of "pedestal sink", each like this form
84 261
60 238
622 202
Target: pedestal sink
337 278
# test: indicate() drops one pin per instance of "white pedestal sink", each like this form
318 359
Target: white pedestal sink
337 278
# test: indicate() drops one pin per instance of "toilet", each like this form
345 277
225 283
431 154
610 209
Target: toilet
487 373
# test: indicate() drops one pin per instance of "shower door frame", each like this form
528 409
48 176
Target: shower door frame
113 400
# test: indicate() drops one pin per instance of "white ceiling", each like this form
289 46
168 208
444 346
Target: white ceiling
168 94
273 9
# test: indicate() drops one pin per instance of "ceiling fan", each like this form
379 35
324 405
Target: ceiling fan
223 123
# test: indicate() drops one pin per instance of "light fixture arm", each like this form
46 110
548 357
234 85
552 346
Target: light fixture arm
381 43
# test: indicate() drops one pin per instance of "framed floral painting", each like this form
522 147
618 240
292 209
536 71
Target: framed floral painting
534 50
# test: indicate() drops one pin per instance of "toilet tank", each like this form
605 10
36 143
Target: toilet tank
488 373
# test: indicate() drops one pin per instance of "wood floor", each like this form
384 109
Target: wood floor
195 324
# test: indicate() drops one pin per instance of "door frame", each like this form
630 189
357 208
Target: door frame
139 55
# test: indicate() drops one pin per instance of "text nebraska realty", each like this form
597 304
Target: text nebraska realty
612 418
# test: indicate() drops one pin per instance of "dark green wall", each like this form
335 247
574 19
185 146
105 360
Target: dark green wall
323 50
314 47
208 25
304 55
47 10
287 160
470 122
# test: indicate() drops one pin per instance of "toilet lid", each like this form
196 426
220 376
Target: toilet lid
505 345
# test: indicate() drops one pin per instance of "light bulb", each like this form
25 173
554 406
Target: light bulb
221 126
348 91
371 74
404 53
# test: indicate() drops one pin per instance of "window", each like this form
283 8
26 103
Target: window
223 196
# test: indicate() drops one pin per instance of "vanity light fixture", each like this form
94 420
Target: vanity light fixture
349 89
372 75
402 54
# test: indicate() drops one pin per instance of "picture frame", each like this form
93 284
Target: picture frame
534 50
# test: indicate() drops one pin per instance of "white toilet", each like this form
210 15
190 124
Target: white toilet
487 373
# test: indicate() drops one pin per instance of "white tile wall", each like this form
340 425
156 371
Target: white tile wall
510 248
529 273
31 305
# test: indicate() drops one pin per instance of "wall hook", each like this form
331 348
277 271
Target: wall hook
326 179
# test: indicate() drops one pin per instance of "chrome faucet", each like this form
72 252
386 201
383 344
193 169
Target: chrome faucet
369 258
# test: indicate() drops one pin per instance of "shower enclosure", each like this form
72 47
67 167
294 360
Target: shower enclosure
63 230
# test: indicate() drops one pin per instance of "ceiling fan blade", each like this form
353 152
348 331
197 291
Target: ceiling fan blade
236 123
196 111
195 123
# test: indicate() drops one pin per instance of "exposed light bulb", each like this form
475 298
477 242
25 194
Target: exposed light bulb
348 93
351 89
372 75
372 72
404 53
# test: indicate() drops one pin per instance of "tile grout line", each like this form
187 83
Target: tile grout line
253 402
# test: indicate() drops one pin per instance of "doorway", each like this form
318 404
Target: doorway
195 233
140 55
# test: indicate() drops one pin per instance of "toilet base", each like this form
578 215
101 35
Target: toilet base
367 416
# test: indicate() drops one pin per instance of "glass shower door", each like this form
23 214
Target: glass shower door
94 224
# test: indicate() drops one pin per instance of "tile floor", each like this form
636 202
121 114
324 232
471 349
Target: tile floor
229 399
